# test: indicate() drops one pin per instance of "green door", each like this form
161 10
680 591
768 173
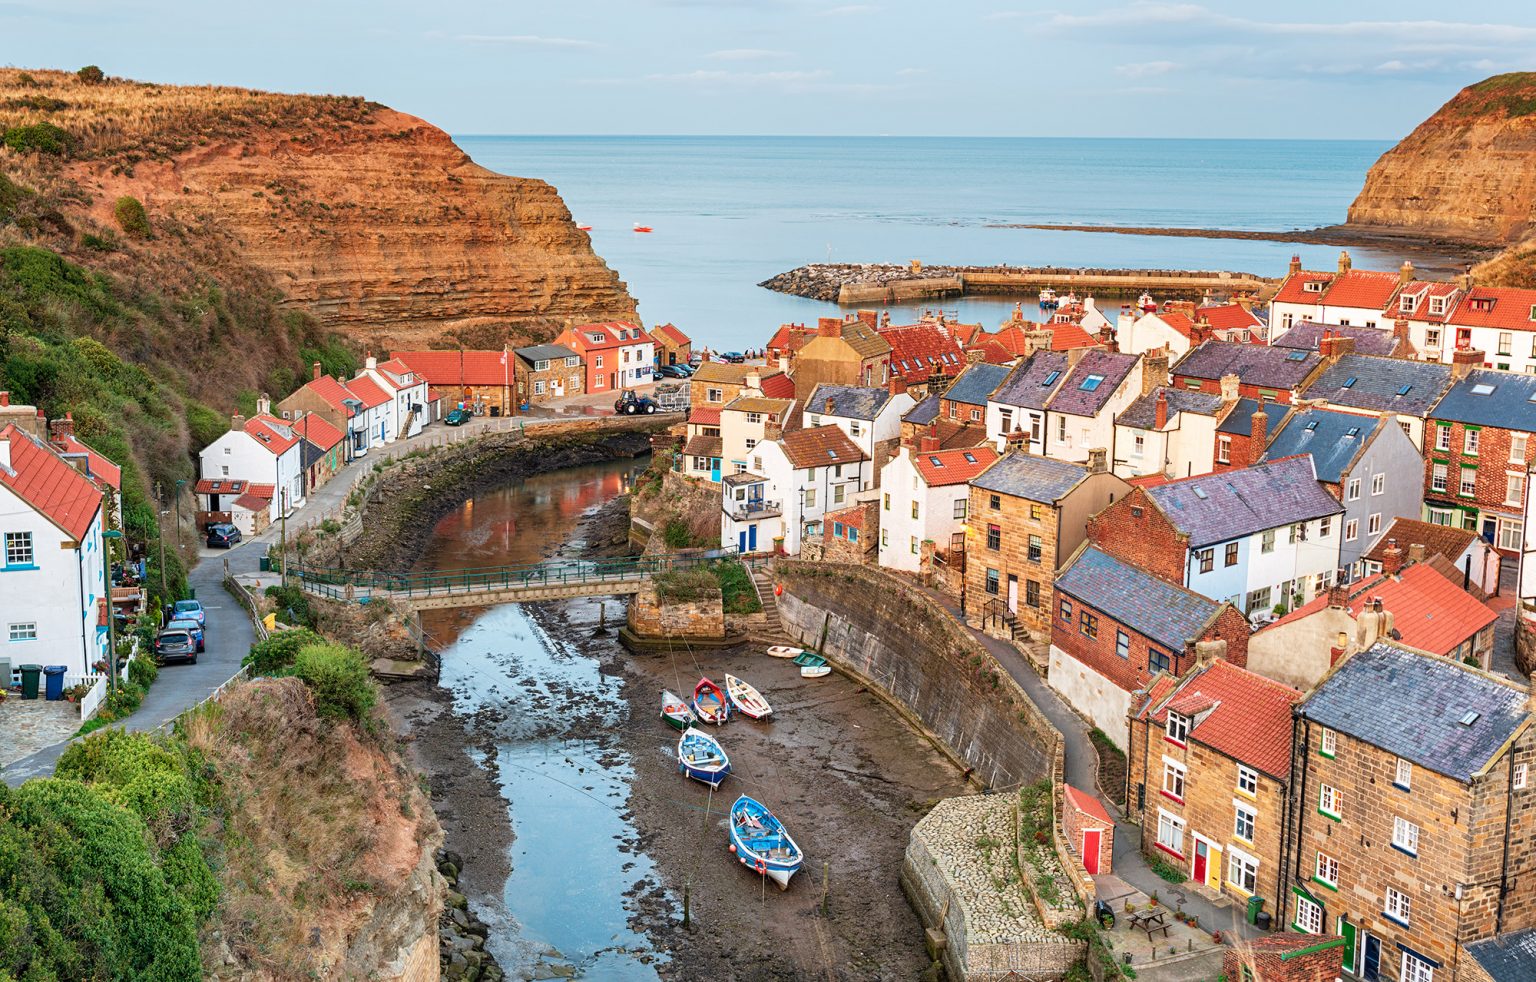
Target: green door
1347 932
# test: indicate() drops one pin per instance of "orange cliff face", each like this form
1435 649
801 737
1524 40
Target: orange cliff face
372 220
1468 173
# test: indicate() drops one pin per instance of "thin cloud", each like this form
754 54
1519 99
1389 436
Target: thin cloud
705 76
746 54
526 40
1137 16
912 71
850 9
1145 69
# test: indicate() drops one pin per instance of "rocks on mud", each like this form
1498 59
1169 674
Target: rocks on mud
461 935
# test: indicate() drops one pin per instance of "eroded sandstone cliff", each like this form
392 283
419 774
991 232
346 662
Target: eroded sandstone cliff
1467 173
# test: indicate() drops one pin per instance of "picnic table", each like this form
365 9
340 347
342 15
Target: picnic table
1150 921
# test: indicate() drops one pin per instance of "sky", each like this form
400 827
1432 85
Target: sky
1300 69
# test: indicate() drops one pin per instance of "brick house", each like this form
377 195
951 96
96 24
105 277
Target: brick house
482 381
1243 435
850 535
716 383
1462 548
617 354
1285 958
321 453
1415 811
1116 628
1209 774
1090 832
1267 374
844 352
1478 456
673 347
547 371
924 356
964 403
1026 516
1258 536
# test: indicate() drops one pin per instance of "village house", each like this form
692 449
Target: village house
1476 560
1168 432
1016 407
483 382
673 347
262 450
808 473
786 343
1265 373
925 356
1422 309
702 445
406 411
751 517
1366 462
1026 516
843 352
1262 537
747 421
1116 628
1413 785
1210 775
1079 414
53 604
1179 326
871 417
924 495
545 372
617 354
1347 297
849 535
107 476
1500 321
321 453
1478 461
1393 387
1246 429
1361 340
331 400
715 383
1410 603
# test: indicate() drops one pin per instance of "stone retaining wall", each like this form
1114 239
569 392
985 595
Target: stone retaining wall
650 618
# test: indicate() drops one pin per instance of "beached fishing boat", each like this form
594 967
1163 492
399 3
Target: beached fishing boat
783 651
815 671
760 842
710 703
701 757
745 698
675 711
809 658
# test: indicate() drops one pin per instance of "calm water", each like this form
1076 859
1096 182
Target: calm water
547 710
731 211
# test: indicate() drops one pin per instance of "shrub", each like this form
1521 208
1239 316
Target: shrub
143 671
39 138
686 586
91 75
338 678
736 589
131 216
292 605
276 654
676 534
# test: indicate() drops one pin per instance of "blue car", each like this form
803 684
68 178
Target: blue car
191 627
189 610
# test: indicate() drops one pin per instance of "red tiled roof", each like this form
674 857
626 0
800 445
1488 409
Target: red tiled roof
820 446
333 392
1447 540
944 467
790 337
1251 721
268 491
396 367
369 392
992 351
920 350
1065 337
1149 480
1422 291
848 516
704 446
1510 310
579 338
1371 289
1086 803
99 466
672 334
778 386
1229 317
252 501
42 479
705 415
317 431
1293 290
1179 323
443 367
218 485
273 435
1432 613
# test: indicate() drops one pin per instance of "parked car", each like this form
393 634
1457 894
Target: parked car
191 627
734 357
175 646
458 417
222 535
672 371
189 610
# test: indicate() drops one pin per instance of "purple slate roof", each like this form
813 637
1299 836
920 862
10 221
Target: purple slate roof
1142 413
1032 382
1161 611
1080 395
1255 364
1368 340
1231 504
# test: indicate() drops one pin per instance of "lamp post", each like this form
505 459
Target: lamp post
164 590
106 584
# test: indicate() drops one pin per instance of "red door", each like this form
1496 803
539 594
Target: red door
1201 857
1091 849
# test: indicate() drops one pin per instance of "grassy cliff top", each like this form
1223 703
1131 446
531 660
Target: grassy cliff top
1510 95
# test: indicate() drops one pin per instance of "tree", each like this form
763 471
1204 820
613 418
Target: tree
91 75
131 217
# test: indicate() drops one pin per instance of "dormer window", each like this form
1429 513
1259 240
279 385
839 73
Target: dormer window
1483 304
596 338
1314 286
1437 305
1408 304
1178 727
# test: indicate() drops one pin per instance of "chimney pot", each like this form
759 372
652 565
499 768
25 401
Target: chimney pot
1160 413
316 368
1295 266
830 405
1463 360
1391 559
1416 552
1230 387
1344 261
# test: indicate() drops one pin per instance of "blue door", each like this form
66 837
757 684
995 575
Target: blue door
714 469
1370 968
742 544
751 539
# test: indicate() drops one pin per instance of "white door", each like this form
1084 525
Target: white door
1013 594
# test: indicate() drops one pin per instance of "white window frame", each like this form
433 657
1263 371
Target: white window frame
1442 437
1328 743
1373 524
1415 969
1398 906
20 632
1170 832
1246 868
1439 477
1244 814
1405 835
1378 484
1354 490
1470 440
1247 780
1325 869
1330 802
1404 776
1514 488
1352 530
1517 442
1175 779
1309 916
1518 781
1177 728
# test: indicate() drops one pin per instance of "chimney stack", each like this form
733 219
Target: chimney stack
1208 651
1463 360
1400 332
370 363
752 380
1037 341
1295 266
829 327
1075 355
1344 261
60 428
1338 596
1416 552
869 318
236 423
1160 413
1154 370
316 367
1098 460
1258 435
930 441
5 399
831 403
898 384
1229 387
1405 274
263 405
1391 558
1340 646
1335 344
784 364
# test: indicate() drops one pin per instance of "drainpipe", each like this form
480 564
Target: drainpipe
85 644
1301 806
1509 804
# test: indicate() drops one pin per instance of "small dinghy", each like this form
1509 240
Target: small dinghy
701 757
784 651
642 228
809 659
745 698
709 703
760 842
675 711
584 228
815 671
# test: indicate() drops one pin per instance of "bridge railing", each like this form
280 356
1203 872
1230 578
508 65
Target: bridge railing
334 582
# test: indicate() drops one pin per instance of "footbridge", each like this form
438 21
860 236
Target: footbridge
555 579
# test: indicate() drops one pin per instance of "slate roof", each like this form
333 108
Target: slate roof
1334 439
1378 384
924 412
1142 414
44 480
1240 420
1256 364
1110 368
1412 705
975 384
1030 477
1445 540
1167 614
1249 715
539 352
1231 504
820 446
1509 957
958 466
1305 335
1489 398
848 401
1026 385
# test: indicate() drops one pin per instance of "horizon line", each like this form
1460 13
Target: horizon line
920 136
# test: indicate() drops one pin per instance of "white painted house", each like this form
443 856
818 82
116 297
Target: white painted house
869 416
923 498
262 450
52 568
809 472
408 403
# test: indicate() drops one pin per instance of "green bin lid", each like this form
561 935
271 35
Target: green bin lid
30 668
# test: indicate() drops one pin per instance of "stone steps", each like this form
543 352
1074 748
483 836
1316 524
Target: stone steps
773 628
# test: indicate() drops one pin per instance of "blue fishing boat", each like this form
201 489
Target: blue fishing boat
760 842
701 757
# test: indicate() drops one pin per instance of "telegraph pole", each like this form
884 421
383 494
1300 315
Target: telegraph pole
283 538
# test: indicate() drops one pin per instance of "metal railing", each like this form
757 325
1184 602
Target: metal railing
754 509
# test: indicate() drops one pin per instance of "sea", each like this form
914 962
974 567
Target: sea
729 212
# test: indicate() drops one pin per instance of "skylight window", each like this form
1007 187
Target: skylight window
1349 383
1200 493
1404 390
1091 383
970 458
1051 378
1469 717
1353 431
1482 389
935 461
832 454
1297 356
1311 424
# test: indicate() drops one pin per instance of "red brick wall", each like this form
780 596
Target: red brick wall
1264 964
1074 822
1491 461
1147 541
1133 672
1213 386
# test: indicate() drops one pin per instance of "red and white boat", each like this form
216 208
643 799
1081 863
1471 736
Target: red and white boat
584 228
643 228
745 698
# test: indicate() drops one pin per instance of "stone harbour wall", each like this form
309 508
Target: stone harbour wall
650 618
